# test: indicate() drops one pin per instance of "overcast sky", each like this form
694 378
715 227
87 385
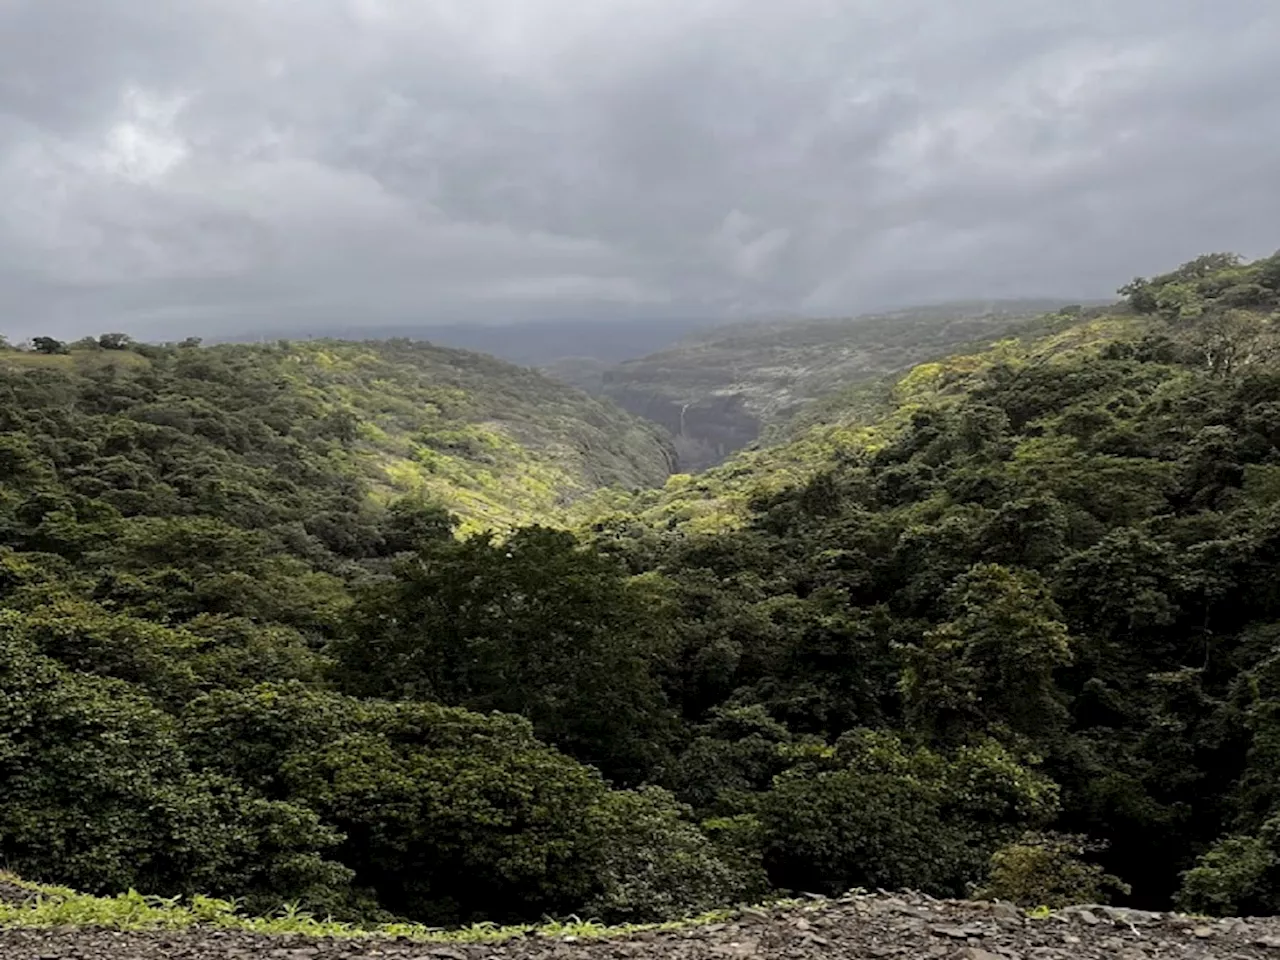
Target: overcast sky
176 166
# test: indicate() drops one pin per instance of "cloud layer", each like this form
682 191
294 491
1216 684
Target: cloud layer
223 165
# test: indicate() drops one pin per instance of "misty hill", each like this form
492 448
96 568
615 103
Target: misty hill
1218 309
534 343
721 390
255 428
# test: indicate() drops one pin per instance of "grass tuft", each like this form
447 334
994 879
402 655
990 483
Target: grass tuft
50 906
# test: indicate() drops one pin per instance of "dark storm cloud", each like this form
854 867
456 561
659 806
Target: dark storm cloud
214 164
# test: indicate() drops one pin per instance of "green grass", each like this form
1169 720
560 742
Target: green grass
60 907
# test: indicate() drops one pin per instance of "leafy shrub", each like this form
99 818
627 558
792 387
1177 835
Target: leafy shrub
651 863
1050 870
877 813
452 816
1239 875
96 791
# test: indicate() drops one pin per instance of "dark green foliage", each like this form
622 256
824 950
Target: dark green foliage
1240 874
649 861
451 816
1072 549
877 813
48 345
533 625
1008 622
1048 870
735 754
179 526
98 791
990 666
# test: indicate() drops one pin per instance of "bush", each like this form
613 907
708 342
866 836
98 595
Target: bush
1239 875
452 816
1050 870
96 792
651 863
876 813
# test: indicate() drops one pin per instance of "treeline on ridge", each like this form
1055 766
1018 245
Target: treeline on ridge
1026 643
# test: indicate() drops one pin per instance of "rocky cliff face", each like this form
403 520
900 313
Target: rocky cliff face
705 430
719 392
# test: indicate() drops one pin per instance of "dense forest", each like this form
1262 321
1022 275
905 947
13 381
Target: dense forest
494 443
1007 623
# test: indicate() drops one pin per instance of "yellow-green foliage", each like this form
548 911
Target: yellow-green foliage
51 906
79 361
497 444
861 418
1048 870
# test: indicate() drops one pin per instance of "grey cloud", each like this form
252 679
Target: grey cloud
218 164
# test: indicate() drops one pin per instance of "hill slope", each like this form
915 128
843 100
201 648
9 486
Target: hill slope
493 442
1006 622
861 417
532 343
718 392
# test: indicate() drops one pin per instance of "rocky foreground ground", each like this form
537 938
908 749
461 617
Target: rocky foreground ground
864 926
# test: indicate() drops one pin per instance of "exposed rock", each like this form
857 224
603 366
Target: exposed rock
856 927
12 893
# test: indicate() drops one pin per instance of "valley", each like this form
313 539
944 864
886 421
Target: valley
721 390
980 604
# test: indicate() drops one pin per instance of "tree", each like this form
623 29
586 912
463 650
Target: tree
452 816
990 666
413 524
1183 293
1240 874
96 792
877 813
736 753
650 862
1230 340
115 341
1139 294
1206 265
535 626
1124 589
48 345
89 639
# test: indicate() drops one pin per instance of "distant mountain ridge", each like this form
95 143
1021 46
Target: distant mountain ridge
533 343
723 388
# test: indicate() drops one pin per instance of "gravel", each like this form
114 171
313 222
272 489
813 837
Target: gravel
866 927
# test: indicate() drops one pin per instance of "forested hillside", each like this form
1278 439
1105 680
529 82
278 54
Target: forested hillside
208 426
721 390
1006 624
